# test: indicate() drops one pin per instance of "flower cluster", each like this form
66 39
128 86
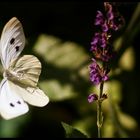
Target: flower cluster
97 75
107 23
100 44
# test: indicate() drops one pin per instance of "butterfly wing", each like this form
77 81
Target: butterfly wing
11 104
12 41
35 97
27 69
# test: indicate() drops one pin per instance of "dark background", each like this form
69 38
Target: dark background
70 21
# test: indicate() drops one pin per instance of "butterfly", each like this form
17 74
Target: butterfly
21 74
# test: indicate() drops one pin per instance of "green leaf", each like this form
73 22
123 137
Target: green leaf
61 54
72 132
127 121
127 60
56 91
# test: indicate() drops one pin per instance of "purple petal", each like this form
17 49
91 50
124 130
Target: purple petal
105 27
115 27
104 78
98 21
99 18
92 97
103 45
97 35
95 40
110 15
93 48
97 80
99 14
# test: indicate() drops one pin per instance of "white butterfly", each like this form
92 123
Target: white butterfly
19 85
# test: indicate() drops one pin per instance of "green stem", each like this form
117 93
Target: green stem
99 111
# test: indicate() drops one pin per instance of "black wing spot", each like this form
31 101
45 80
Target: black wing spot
17 48
12 41
12 105
18 102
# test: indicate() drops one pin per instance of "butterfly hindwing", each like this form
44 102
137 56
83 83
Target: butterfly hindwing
12 41
35 97
11 104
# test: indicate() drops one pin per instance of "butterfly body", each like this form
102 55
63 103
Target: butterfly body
21 74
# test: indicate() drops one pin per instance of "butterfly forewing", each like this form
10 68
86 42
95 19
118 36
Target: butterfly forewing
27 70
12 41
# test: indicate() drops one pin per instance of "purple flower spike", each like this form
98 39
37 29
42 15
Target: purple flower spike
102 48
92 97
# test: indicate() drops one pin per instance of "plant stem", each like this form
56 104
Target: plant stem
99 111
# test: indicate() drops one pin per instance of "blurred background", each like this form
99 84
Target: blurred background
59 34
